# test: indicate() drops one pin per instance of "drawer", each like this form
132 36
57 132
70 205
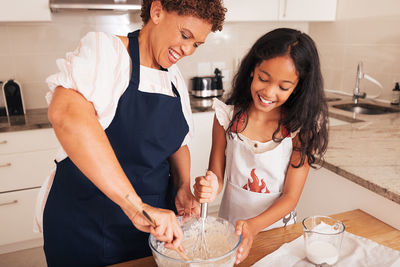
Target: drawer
25 170
16 213
32 140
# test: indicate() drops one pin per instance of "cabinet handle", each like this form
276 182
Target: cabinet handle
284 8
3 142
8 164
9 203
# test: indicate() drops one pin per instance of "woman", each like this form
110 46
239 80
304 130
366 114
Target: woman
120 109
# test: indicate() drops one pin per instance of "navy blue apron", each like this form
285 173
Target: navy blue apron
82 227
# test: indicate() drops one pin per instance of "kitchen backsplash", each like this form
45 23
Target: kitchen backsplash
28 51
367 31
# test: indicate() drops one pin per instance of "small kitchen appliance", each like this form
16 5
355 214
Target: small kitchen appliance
3 112
12 94
208 86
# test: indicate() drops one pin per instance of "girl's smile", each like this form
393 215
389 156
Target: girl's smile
273 82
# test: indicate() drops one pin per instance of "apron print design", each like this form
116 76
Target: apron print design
255 185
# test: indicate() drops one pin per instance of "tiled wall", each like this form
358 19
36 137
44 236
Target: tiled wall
28 51
367 31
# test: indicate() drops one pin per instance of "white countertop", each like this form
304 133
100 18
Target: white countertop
367 152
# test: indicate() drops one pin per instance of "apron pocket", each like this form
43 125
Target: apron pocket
122 240
240 204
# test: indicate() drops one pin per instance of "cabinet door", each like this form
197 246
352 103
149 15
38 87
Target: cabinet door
26 141
254 10
307 10
25 170
25 10
200 146
16 213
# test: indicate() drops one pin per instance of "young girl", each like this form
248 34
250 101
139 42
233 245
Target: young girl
266 137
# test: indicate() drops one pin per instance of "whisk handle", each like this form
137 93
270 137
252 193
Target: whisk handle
203 210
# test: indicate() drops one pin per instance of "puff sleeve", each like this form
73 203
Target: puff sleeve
223 112
99 69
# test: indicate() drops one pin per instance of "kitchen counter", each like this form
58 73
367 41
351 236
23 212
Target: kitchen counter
367 150
33 119
357 222
37 118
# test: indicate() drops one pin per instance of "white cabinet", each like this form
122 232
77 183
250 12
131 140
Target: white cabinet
281 10
307 10
200 148
253 10
25 10
16 213
26 159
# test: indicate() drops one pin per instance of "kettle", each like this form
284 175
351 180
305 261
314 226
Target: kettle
208 86
12 95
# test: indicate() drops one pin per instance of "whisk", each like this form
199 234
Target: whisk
201 243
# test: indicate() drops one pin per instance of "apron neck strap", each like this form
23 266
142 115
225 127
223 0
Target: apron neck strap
134 53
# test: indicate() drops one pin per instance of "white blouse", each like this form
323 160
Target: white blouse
100 70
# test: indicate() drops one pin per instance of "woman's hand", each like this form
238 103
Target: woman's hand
206 188
167 227
244 228
185 203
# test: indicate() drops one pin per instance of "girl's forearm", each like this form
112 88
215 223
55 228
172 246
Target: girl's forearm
180 167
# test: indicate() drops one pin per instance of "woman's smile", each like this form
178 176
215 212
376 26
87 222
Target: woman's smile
173 56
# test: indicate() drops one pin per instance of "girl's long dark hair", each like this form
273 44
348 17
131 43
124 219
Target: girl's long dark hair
306 108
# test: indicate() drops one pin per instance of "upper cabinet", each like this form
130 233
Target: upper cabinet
253 10
307 10
281 10
25 10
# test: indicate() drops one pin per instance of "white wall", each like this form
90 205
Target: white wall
327 193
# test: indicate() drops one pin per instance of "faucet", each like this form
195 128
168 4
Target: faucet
356 92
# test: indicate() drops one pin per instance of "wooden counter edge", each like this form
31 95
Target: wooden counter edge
356 221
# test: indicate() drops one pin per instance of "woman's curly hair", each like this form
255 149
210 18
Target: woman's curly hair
211 11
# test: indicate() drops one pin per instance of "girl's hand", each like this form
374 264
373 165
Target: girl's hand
167 227
206 188
244 229
185 203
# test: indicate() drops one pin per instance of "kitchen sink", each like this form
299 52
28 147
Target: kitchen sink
364 108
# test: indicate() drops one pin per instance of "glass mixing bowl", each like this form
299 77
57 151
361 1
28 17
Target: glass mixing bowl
222 244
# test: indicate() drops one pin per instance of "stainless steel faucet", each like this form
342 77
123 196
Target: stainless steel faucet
356 92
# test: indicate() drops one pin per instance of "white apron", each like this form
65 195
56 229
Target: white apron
255 173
